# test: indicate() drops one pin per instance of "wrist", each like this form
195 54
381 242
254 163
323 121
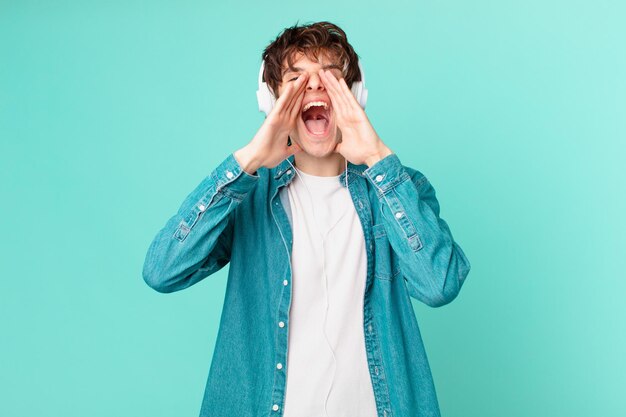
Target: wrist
382 152
247 159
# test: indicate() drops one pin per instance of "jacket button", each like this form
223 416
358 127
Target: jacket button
279 365
229 174
379 178
285 282
398 214
201 207
275 407
281 324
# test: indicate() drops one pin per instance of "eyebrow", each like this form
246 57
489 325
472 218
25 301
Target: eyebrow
298 69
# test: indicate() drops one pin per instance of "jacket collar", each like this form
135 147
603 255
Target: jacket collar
284 169
284 173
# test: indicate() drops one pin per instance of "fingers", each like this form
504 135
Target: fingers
290 93
330 88
339 90
297 104
340 106
296 92
347 92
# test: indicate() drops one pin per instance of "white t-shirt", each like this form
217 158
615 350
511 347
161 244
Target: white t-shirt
310 363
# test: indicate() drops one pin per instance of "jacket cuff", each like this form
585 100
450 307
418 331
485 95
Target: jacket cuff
231 176
387 173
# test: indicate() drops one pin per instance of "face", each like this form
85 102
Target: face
316 129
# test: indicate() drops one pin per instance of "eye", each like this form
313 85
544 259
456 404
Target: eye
293 79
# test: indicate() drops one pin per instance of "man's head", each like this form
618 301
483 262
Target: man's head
310 48
310 40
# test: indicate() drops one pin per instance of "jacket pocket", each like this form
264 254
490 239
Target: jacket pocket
386 265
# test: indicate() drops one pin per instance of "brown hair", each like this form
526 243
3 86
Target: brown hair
311 40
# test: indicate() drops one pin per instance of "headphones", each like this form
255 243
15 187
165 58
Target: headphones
267 100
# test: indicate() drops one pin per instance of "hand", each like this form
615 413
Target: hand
359 142
269 146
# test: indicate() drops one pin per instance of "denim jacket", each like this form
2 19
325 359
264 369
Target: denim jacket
241 218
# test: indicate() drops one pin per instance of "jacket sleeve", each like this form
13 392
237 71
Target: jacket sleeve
432 263
196 241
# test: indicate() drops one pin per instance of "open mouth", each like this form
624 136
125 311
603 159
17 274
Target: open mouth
316 118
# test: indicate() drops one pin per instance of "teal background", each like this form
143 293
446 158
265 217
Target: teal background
112 112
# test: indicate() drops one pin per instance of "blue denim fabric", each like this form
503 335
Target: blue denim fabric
236 217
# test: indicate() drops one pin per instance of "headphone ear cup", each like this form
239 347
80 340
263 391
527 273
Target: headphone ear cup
265 99
363 98
264 96
356 91
359 93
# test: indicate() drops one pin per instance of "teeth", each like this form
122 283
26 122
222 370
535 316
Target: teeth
315 103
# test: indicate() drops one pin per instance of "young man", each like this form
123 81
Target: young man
317 318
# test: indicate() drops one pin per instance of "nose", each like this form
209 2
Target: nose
314 83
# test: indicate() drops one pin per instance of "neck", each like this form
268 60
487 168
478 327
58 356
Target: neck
328 166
